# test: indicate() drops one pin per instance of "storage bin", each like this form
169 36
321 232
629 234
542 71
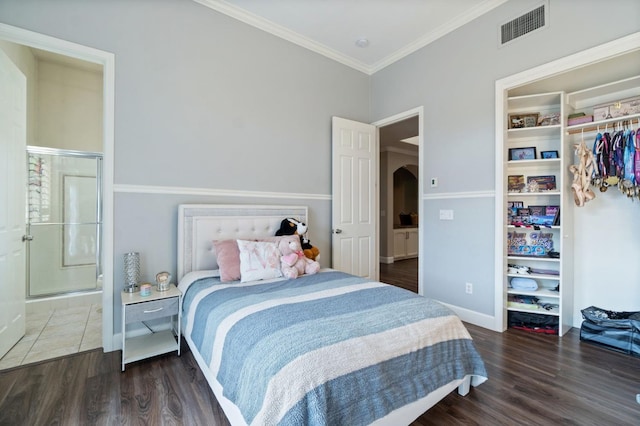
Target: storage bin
619 331
537 323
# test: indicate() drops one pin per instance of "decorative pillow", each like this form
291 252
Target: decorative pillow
259 260
228 257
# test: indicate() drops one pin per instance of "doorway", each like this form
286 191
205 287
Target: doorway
62 188
400 201
23 39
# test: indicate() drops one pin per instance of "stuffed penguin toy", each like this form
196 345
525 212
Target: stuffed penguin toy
291 226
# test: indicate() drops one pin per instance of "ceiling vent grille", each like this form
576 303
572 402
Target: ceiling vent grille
524 24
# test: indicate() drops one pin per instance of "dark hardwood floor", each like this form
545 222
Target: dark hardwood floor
403 273
89 389
533 380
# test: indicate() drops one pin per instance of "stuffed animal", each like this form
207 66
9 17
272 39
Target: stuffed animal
293 262
291 226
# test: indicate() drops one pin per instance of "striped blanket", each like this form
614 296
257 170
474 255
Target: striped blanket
324 349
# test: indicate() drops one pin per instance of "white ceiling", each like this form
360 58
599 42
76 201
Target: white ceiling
394 28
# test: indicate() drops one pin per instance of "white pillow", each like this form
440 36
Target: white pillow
259 260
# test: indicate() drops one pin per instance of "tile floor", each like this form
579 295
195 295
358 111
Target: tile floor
55 333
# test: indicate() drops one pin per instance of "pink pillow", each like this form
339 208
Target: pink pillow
228 257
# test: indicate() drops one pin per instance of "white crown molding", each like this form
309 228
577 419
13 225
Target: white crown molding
449 195
292 36
174 190
284 33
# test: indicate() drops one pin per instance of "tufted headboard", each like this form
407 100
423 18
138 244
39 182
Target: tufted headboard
200 224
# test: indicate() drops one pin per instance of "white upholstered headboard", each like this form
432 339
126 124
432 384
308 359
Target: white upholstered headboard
200 224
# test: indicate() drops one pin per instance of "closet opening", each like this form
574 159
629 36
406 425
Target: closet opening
577 87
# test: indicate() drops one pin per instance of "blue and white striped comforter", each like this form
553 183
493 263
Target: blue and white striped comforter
324 349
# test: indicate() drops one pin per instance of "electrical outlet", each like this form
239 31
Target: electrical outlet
434 182
469 288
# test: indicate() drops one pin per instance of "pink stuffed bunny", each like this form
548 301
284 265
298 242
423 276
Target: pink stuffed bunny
293 262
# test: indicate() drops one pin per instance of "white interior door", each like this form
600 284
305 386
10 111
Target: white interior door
13 118
355 188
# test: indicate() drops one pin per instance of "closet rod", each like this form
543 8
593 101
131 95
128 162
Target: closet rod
602 126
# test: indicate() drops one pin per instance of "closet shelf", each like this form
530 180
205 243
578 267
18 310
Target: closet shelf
606 92
535 258
538 131
532 194
541 292
593 126
537 310
537 162
538 276
533 102
531 227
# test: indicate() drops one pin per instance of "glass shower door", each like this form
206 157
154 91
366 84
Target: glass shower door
64 221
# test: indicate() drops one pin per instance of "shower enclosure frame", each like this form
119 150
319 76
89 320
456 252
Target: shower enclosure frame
98 156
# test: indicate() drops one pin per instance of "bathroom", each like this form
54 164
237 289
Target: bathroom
63 204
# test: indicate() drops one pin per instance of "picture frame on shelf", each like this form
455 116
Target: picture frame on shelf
540 216
550 119
512 211
519 121
528 153
545 183
555 212
549 154
515 183
538 210
516 204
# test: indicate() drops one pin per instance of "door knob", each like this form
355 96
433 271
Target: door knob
27 238
338 231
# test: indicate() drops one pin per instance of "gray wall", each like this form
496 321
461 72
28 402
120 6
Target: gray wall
454 78
205 102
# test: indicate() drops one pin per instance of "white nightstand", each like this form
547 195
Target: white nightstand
136 308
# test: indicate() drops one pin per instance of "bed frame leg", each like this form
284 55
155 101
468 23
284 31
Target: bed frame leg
463 388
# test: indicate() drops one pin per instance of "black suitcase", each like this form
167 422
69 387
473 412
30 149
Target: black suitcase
618 331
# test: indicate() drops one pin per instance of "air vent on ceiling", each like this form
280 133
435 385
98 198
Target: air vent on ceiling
524 24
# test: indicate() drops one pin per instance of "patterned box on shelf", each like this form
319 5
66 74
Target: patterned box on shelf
579 120
617 109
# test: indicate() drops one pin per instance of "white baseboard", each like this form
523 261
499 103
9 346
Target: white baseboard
385 259
475 318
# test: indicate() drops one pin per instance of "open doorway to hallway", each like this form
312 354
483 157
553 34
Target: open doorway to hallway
399 202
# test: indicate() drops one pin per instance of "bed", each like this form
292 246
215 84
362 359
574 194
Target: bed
323 349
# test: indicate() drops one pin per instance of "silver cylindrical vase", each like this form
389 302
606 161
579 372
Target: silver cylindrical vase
131 271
